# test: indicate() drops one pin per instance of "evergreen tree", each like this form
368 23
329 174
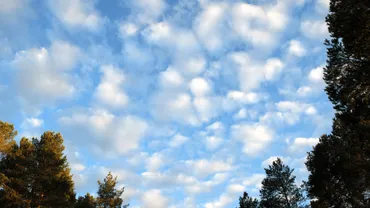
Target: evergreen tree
37 174
108 195
247 202
7 134
339 164
18 166
53 185
279 188
86 201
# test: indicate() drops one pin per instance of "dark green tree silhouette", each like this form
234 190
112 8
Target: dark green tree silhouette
86 201
36 174
279 188
248 202
108 195
339 164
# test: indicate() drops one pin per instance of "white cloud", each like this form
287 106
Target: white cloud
244 98
301 145
213 142
241 114
258 25
206 108
296 48
110 134
203 167
273 68
316 75
209 26
77 13
235 188
314 29
109 91
77 167
127 29
200 87
148 11
254 180
171 78
251 73
221 202
32 123
156 161
154 199
304 91
289 112
174 106
42 78
178 140
255 137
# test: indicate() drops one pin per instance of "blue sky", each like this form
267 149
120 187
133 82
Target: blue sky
185 101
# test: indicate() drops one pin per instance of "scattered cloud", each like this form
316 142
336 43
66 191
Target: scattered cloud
32 123
255 137
43 75
110 133
77 13
154 198
109 92
178 140
301 145
314 29
296 48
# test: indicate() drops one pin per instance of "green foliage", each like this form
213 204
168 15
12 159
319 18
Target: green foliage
86 201
7 134
36 174
108 195
279 188
339 164
248 202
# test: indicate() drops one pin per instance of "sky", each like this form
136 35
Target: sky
186 101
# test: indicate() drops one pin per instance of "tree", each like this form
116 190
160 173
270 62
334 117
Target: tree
339 168
53 185
247 202
7 134
18 166
86 201
108 195
279 188
37 174
339 164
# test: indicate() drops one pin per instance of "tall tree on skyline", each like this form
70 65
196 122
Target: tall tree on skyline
108 195
339 164
248 202
279 188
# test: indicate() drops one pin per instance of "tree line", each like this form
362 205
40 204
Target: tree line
35 174
339 165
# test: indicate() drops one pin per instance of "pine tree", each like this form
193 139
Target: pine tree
7 134
37 174
108 195
18 166
339 164
53 185
279 188
86 201
248 202
7 145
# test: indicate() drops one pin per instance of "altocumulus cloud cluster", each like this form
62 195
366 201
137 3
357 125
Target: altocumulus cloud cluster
185 101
